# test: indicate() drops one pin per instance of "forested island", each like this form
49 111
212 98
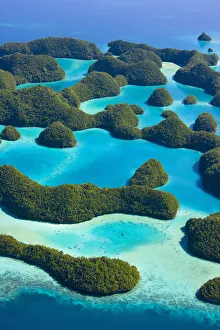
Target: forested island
101 276
160 98
72 203
203 241
194 71
209 167
57 135
55 47
32 68
59 114
10 133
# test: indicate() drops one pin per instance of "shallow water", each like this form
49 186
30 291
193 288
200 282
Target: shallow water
165 297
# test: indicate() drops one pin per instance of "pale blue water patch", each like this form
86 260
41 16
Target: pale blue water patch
108 162
75 70
109 239
152 115
30 158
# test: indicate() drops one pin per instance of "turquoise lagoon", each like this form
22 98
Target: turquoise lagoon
165 297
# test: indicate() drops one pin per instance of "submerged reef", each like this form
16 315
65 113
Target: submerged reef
210 291
205 122
150 174
57 135
203 237
32 68
144 73
10 133
77 203
91 276
204 37
55 47
7 80
209 167
189 100
160 98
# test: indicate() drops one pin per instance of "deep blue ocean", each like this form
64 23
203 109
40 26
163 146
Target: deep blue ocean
28 301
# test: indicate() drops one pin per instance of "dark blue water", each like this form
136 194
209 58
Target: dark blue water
46 313
160 23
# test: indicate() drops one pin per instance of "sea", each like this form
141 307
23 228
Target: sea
165 297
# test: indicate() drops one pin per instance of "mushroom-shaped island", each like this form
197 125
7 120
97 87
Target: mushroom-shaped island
160 98
189 100
151 174
210 291
57 135
205 122
204 37
10 133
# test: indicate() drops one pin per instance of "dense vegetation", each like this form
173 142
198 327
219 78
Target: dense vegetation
121 80
57 135
205 122
120 120
150 174
209 166
179 57
10 133
7 80
71 97
195 69
96 85
137 109
203 237
41 106
32 68
173 133
93 276
210 291
109 64
189 100
160 98
203 242
55 47
138 55
204 37
145 73
199 75
76 203
216 100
